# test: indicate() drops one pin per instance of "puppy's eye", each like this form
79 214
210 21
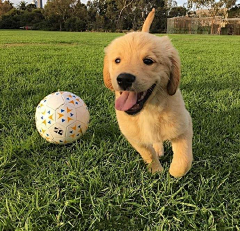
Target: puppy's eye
118 60
148 61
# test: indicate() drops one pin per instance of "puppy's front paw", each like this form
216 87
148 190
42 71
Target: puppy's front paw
158 147
155 167
180 168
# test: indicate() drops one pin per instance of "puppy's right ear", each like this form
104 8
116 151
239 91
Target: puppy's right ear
106 74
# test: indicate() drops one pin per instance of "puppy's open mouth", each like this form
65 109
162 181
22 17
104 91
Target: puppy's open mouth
132 102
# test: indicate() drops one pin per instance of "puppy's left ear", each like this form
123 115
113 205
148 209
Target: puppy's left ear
175 73
106 74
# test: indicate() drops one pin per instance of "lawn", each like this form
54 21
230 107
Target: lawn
100 182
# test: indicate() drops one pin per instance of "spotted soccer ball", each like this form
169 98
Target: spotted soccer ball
62 117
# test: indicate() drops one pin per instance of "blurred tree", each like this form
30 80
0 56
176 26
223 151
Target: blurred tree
11 19
22 5
59 11
211 3
177 11
33 19
75 24
31 7
92 14
98 15
213 6
5 7
170 4
80 10
234 12
111 16
132 14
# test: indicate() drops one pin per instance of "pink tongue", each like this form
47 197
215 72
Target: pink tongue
126 100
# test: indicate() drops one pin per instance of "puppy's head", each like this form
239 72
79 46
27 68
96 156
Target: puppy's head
139 65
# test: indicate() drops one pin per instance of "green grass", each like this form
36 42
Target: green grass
100 182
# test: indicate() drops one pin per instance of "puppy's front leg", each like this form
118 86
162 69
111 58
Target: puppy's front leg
158 147
182 154
149 156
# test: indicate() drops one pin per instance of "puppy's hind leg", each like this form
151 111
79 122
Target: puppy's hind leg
182 154
149 156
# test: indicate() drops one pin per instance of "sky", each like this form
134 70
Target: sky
16 2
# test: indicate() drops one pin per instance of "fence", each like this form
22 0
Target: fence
187 25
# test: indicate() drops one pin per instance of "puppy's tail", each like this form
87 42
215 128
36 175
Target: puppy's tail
148 21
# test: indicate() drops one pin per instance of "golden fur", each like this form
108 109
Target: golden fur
164 116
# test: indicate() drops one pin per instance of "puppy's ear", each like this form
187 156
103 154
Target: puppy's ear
106 74
175 73
148 21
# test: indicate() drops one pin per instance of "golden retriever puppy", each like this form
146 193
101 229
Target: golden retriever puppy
144 72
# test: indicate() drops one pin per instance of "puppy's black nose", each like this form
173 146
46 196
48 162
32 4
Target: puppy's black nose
125 80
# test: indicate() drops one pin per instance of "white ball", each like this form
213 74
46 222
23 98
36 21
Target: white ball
62 117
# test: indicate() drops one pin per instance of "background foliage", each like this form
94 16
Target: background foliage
96 15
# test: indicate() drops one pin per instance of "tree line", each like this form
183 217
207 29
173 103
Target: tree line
96 15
